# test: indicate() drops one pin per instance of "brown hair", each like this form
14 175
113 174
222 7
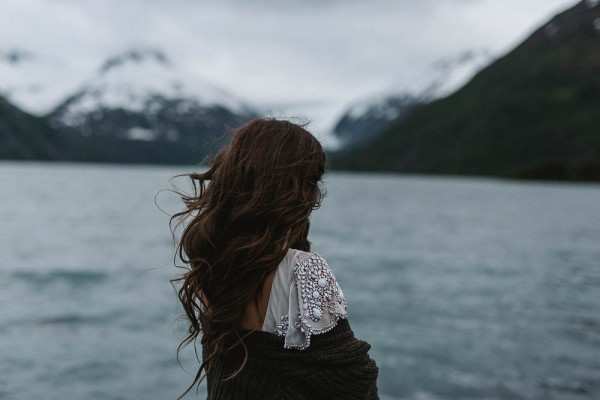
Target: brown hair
251 205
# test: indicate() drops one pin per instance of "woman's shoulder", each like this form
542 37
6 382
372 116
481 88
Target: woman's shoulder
308 264
295 256
311 258
311 269
317 298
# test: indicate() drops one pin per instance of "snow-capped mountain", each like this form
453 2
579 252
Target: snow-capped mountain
35 82
451 74
365 118
142 95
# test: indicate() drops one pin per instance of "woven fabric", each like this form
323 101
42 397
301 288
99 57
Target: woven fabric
335 366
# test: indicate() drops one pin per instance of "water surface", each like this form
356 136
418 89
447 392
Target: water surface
466 288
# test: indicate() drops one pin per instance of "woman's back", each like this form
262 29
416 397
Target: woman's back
305 299
254 302
312 355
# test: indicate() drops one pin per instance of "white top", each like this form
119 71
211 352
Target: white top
304 288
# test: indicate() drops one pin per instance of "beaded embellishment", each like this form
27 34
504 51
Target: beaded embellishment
321 300
282 326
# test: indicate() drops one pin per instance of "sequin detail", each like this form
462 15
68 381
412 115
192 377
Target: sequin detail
282 326
320 294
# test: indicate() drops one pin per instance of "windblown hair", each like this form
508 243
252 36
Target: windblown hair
251 205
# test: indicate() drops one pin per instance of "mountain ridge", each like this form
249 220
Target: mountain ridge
533 113
365 118
139 107
141 96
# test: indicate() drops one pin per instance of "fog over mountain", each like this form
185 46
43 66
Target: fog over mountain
308 59
365 118
141 95
533 113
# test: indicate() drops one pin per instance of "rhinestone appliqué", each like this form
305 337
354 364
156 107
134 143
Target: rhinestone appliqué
318 287
320 291
282 326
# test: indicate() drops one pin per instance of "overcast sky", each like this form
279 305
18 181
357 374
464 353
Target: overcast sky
315 54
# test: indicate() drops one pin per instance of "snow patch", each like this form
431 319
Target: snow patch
597 24
138 133
132 80
138 80
444 78
321 116
441 80
136 56
450 75
382 106
592 3
185 106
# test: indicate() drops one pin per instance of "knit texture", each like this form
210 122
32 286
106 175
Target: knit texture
335 366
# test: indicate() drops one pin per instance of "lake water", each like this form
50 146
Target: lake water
466 288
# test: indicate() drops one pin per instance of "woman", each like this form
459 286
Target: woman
271 316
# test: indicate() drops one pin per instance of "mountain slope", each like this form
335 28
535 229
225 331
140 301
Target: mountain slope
364 119
533 113
35 82
23 136
27 137
141 97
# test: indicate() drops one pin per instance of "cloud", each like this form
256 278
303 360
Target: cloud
276 52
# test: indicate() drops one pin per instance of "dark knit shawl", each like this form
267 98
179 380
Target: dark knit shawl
336 365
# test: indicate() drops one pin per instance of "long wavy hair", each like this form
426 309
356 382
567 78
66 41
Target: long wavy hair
245 212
